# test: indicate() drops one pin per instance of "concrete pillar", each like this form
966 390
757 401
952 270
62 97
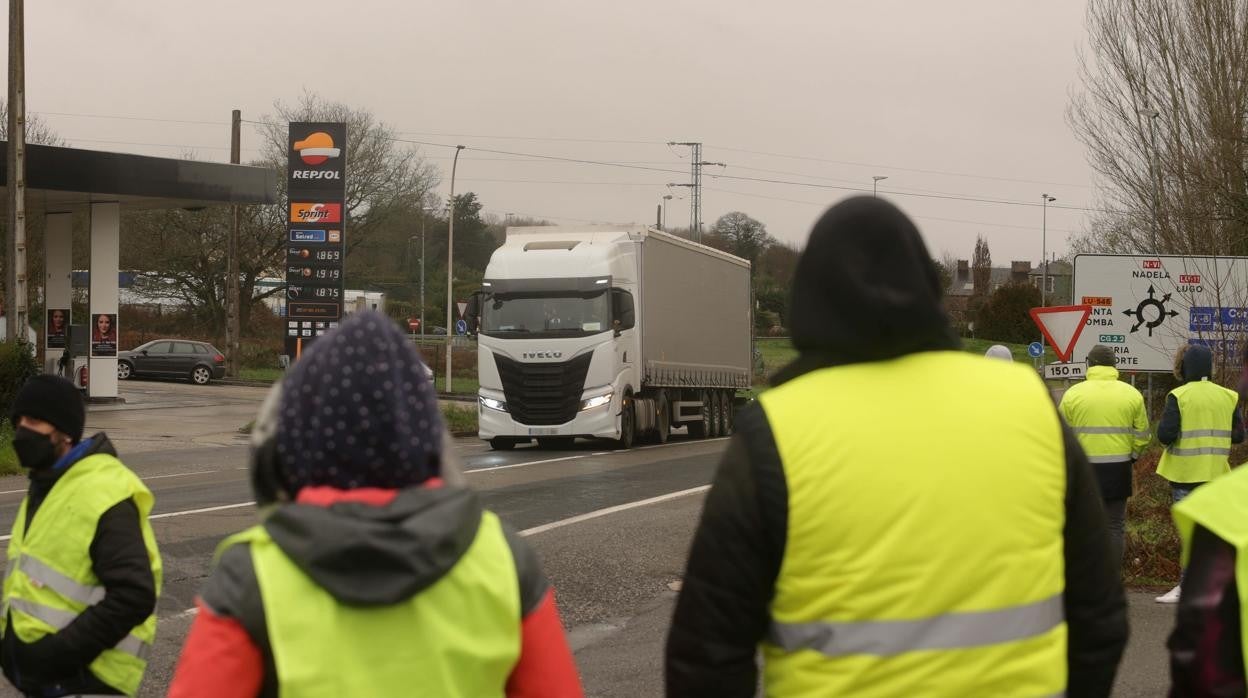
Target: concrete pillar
58 247
105 265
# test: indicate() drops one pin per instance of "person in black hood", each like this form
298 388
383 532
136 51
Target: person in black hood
105 533
372 573
1194 429
823 555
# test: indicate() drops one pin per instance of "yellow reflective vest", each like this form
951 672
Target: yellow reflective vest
1107 416
1207 412
48 579
459 638
1219 508
925 556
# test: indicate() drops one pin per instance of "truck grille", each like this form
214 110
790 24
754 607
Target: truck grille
543 393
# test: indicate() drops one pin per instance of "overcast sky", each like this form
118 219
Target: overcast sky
964 98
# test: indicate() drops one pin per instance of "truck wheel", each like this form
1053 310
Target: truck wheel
729 415
628 425
662 418
500 444
701 429
716 409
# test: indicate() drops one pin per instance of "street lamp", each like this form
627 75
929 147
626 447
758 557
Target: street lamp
1045 199
666 198
450 267
875 184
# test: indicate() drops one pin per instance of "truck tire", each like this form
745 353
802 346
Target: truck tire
501 444
662 418
729 414
628 425
717 410
701 429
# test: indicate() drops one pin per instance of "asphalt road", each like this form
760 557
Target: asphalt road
612 528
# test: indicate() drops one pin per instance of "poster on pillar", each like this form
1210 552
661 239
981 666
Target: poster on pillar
316 231
103 335
54 330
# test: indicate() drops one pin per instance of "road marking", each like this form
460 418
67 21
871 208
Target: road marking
205 510
612 510
590 455
144 479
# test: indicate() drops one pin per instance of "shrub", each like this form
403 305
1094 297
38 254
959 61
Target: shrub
1004 316
17 363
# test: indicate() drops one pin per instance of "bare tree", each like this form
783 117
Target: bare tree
1162 115
37 130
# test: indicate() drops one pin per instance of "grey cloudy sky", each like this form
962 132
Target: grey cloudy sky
964 98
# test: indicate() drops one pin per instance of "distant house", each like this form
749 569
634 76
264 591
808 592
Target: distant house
1061 282
962 287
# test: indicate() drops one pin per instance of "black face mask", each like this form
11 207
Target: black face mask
34 450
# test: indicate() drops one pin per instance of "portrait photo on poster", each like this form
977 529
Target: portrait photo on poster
56 328
104 334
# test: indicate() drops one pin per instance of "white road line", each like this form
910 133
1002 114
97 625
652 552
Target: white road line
188 512
521 465
144 479
205 510
590 455
612 510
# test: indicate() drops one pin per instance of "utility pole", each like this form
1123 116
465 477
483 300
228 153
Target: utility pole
450 270
695 206
875 184
423 217
16 292
232 329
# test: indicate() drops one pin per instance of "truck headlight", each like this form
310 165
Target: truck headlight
596 402
492 404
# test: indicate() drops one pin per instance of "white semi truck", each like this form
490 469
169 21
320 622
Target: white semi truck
610 332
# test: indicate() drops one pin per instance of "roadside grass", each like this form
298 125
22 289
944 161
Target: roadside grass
460 420
263 375
8 458
463 385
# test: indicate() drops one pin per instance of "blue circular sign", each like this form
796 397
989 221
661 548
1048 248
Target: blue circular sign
1035 350
461 327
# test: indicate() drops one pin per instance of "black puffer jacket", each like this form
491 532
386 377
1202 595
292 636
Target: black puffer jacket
866 290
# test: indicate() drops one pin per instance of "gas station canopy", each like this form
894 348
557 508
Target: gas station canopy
64 179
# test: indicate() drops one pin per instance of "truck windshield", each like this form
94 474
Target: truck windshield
546 313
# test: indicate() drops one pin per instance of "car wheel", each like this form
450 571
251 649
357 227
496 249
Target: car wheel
124 370
201 375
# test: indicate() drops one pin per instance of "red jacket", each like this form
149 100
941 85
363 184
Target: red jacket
222 657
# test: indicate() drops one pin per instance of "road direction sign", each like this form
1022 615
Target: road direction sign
1035 350
1062 325
1071 371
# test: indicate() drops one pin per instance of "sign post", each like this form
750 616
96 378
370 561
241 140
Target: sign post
316 231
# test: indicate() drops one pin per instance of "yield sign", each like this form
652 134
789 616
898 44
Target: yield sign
462 305
1061 325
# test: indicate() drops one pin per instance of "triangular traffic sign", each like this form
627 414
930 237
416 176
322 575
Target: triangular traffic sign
1061 325
462 305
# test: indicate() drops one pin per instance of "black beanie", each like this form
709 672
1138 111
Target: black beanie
54 400
1101 355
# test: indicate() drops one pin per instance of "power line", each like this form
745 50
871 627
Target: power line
930 218
131 118
903 169
763 180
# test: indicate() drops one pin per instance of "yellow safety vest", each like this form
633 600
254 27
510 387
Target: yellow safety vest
1204 445
49 581
459 638
923 556
1219 507
1107 416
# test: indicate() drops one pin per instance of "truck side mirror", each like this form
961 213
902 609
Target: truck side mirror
622 312
472 313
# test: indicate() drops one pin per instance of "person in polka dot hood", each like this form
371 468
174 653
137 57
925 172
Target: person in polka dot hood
362 530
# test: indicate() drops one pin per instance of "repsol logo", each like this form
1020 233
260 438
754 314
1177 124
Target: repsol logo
316 174
542 355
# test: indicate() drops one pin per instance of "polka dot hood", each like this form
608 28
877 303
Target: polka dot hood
357 411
